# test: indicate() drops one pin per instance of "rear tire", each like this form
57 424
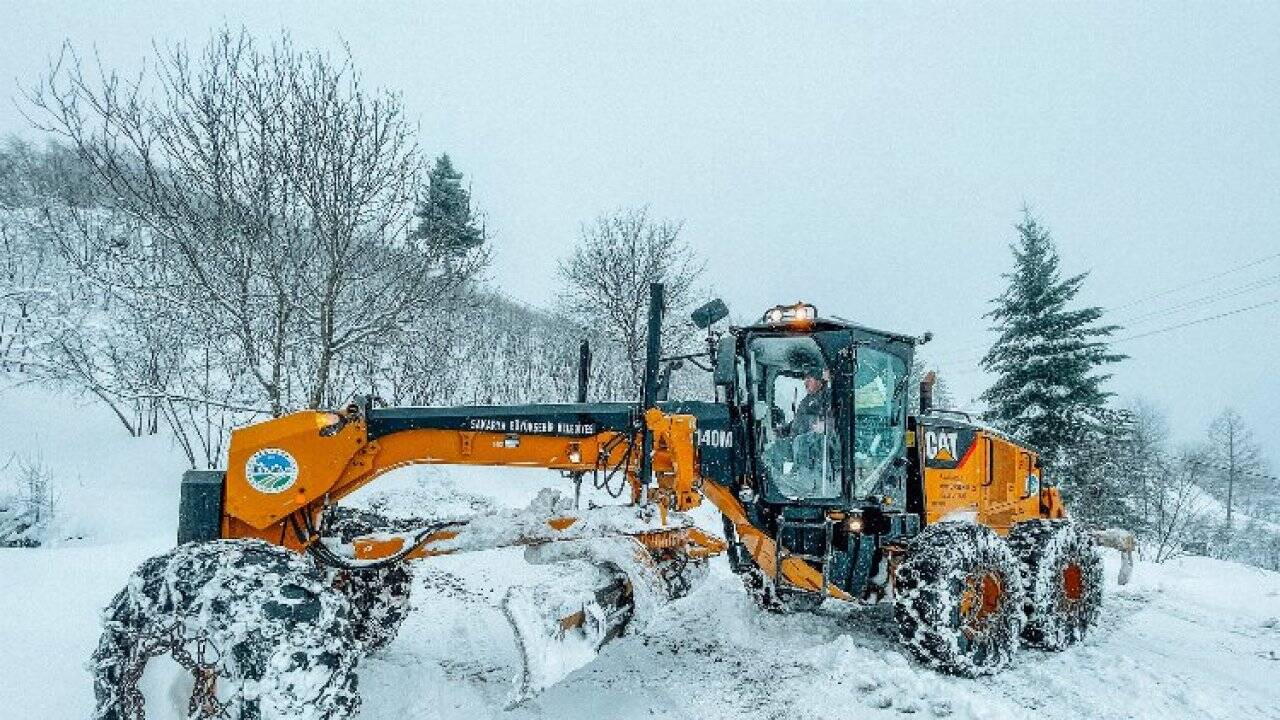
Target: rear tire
257 625
959 599
1062 580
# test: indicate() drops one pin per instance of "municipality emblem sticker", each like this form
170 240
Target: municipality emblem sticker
271 470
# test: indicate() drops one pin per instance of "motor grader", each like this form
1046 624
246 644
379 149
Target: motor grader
829 488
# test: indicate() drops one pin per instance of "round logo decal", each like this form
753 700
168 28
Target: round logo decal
271 470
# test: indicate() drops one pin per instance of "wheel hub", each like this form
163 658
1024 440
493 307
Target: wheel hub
980 600
1073 582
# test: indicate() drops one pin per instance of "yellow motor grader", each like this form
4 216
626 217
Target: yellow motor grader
829 488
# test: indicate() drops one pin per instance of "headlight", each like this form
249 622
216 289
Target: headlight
798 313
854 523
329 423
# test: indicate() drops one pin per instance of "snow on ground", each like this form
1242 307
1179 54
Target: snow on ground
1193 638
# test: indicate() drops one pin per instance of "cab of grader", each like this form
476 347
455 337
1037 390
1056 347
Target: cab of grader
828 486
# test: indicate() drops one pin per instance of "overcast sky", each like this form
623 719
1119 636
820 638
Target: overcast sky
870 159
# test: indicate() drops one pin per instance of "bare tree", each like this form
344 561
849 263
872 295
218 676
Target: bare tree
1235 458
25 270
1178 506
607 276
279 190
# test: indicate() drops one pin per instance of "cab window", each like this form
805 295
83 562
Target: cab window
795 430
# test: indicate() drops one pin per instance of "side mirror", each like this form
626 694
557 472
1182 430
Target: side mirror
709 314
726 370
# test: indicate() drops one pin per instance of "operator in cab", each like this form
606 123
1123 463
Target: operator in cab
801 454
814 409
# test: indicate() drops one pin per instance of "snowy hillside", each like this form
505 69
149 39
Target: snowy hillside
1193 638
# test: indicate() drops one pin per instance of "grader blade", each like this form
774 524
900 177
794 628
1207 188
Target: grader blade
561 624
598 590
606 568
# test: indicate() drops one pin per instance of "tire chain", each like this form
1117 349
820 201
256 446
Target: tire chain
204 693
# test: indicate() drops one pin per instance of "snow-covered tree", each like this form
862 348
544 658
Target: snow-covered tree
445 217
606 282
1102 475
1179 506
1047 360
942 397
1236 469
279 189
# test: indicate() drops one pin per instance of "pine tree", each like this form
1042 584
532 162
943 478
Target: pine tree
1104 475
1048 390
446 220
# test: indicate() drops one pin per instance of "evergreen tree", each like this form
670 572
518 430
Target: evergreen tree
1104 475
446 220
1048 390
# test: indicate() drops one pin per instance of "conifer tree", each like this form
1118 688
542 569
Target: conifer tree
1049 388
446 219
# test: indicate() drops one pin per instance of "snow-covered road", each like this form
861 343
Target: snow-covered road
1193 638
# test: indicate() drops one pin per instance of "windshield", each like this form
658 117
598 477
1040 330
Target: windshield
795 431
877 397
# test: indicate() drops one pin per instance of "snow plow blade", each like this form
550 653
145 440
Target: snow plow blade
1121 540
596 590
605 569
558 630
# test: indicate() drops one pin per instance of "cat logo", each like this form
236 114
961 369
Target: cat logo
940 446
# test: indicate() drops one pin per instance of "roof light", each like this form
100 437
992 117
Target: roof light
798 313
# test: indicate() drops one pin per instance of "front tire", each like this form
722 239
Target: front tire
959 599
256 624
1062 580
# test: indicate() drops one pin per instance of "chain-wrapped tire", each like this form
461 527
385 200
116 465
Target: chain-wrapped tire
1062 579
258 627
959 599
379 597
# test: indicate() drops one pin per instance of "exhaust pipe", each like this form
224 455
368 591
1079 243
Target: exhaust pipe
926 391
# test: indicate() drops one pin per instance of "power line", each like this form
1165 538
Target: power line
1204 299
1157 331
1219 316
1193 283
963 356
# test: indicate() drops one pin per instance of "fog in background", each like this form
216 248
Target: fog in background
869 159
